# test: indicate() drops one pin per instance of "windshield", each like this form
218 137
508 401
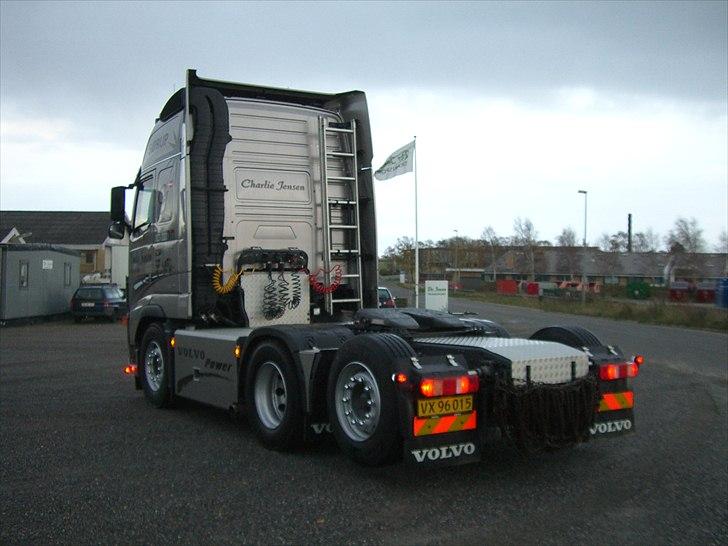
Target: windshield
89 294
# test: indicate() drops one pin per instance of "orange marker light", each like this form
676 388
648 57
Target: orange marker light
130 369
639 360
237 351
401 378
172 342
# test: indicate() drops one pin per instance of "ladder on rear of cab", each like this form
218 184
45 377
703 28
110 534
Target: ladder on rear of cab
344 134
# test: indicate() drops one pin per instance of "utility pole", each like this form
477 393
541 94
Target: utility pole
457 271
583 259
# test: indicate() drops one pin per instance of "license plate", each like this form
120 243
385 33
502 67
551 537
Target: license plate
90 304
444 405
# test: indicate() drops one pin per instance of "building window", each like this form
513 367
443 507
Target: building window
89 256
23 274
66 274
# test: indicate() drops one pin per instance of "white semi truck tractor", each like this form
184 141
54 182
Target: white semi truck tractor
253 286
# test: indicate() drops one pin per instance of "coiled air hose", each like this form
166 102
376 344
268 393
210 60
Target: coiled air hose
322 288
231 283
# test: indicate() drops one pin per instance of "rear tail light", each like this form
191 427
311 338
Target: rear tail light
610 372
446 386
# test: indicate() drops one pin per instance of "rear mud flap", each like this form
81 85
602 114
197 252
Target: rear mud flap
443 449
612 423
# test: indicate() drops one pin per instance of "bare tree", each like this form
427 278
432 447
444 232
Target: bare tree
688 234
603 242
526 236
567 237
494 245
722 245
402 255
646 241
616 242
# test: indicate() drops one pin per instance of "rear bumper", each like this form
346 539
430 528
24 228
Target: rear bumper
534 417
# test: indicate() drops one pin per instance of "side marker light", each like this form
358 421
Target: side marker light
130 369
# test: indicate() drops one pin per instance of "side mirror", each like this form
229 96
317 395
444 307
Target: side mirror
117 230
118 196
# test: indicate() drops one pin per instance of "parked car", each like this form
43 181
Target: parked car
386 299
105 300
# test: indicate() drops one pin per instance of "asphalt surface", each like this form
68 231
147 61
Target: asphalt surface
85 459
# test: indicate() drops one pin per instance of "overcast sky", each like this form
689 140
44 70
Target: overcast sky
516 106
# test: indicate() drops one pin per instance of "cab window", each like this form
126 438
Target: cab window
166 195
145 203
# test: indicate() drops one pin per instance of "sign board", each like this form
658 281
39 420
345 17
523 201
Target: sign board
436 295
401 277
47 264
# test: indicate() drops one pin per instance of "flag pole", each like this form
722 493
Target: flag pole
417 239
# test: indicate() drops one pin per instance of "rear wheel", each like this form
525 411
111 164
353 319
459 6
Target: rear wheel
362 401
156 361
273 397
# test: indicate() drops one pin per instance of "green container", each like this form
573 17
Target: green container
638 290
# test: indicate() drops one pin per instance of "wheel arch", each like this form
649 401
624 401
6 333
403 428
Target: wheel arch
573 336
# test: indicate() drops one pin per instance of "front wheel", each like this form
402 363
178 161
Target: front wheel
362 401
273 397
156 362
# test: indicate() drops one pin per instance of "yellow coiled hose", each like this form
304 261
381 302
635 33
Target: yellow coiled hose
231 283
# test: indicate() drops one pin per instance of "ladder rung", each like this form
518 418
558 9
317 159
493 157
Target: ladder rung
342 178
344 251
350 276
347 300
339 154
341 226
334 201
338 130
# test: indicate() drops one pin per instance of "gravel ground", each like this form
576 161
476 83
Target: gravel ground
87 460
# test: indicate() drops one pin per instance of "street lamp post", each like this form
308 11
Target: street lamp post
457 272
583 259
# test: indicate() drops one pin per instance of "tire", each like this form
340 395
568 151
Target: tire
155 363
362 401
273 397
573 336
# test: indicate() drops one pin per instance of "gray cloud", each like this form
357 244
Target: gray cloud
117 54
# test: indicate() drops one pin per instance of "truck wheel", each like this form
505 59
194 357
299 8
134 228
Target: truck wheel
362 402
156 361
273 397
573 336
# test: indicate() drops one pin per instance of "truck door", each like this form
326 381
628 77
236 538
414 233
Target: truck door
155 237
141 247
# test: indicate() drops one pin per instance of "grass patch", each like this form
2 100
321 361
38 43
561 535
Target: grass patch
653 312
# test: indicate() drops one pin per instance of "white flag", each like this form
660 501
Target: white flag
399 162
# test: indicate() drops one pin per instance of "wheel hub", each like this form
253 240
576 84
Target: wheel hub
271 395
358 401
154 365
